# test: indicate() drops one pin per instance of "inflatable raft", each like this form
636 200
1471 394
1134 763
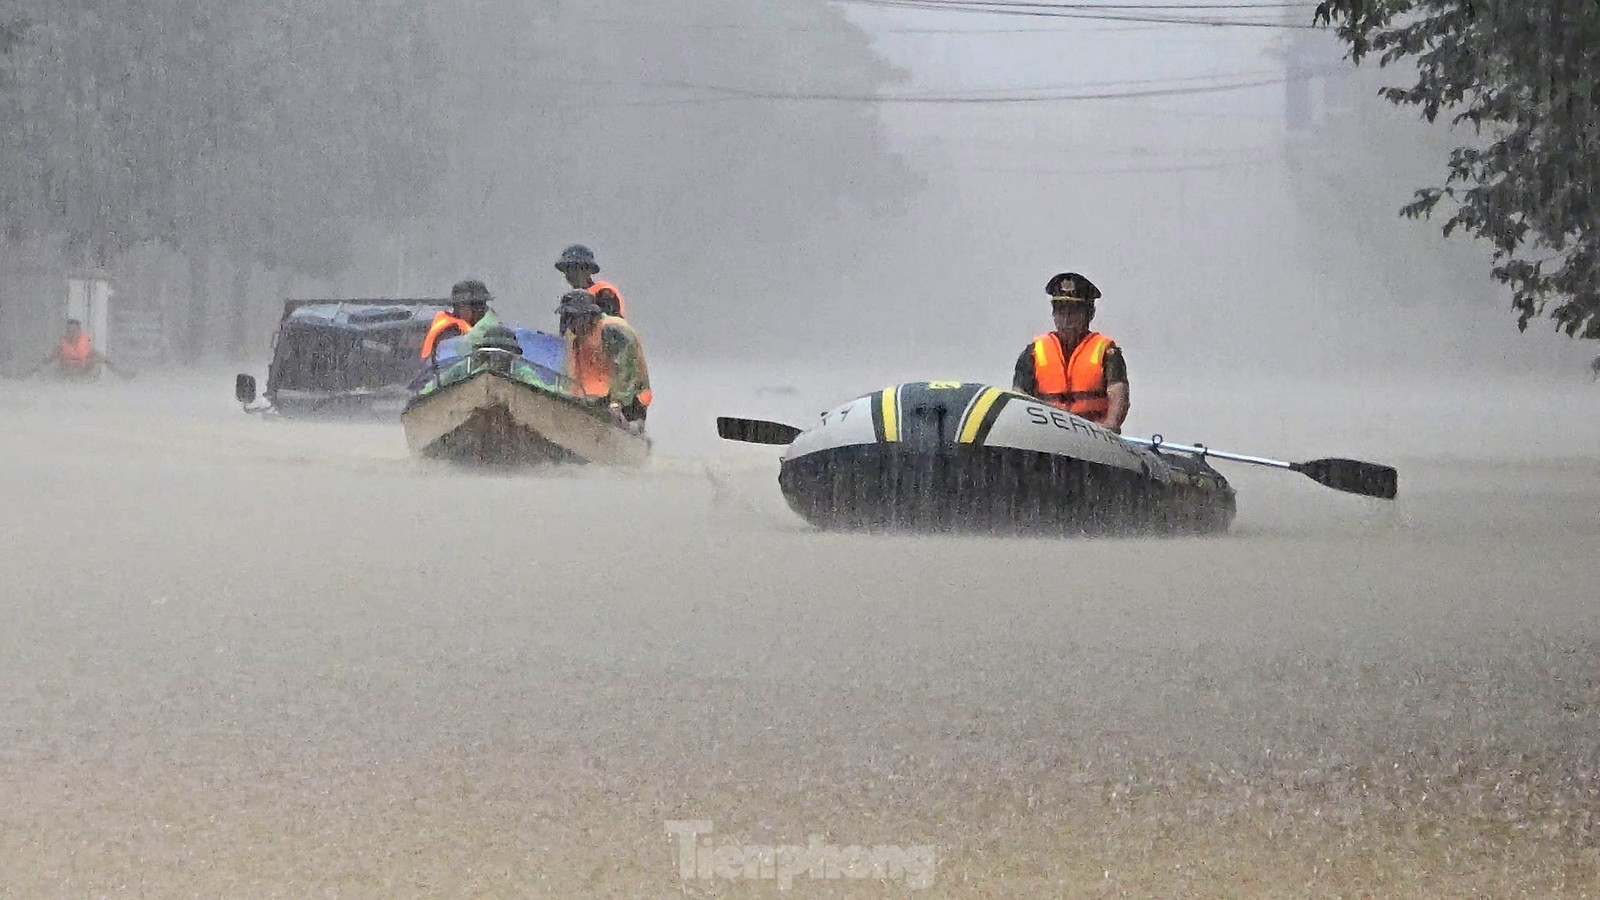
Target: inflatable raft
940 456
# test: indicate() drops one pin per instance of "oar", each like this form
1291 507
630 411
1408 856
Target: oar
1349 475
755 431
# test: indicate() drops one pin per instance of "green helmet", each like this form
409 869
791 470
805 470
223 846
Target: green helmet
577 256
499 337
470 292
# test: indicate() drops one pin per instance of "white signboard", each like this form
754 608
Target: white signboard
89 301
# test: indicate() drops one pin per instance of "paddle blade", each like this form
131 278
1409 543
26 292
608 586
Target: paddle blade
755 431
1352 476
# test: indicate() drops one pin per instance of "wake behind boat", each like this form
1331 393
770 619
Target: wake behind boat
496 397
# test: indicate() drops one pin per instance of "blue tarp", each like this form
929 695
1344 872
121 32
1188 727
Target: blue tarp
546 350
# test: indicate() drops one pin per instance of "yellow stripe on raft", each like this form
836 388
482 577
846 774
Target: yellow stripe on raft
969 431
891 415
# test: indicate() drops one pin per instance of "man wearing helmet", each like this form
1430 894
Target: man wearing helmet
604 359
578 265
469 301
1073 368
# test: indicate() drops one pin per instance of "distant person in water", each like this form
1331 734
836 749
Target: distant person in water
75 356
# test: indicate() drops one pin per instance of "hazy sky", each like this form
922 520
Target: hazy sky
1186 209
966 51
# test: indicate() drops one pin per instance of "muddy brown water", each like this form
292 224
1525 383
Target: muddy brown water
250 658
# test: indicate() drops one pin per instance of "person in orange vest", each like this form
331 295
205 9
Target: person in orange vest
604 359
75 356
1073 368
578 265
469 300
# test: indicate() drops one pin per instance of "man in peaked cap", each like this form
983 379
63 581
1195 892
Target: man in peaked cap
1073 368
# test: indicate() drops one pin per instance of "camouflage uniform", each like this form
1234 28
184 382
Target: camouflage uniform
630 378
490 332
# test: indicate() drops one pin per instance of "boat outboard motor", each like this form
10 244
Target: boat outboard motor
497 348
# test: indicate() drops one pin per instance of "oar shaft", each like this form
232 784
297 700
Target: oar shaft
1207 451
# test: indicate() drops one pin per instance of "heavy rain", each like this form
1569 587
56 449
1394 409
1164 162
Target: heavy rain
254 652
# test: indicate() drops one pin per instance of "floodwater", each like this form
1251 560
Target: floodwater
242 657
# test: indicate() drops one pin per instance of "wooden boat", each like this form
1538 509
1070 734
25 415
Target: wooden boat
495 405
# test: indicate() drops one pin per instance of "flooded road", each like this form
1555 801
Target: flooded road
242 657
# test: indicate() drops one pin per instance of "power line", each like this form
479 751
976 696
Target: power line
1097 7
1020 90
1116 8
1153 153
1132 170
657 24
972 5
1216 81
975 93
958 99
1057 12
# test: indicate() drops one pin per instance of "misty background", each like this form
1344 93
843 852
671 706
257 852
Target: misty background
776 182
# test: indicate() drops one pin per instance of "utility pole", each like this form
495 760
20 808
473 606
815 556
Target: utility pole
1297 108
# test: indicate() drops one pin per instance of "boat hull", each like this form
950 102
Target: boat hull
491 419
996 490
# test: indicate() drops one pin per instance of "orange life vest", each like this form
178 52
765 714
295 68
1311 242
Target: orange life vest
1077 385
590 367
76 355
442 322
598 286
